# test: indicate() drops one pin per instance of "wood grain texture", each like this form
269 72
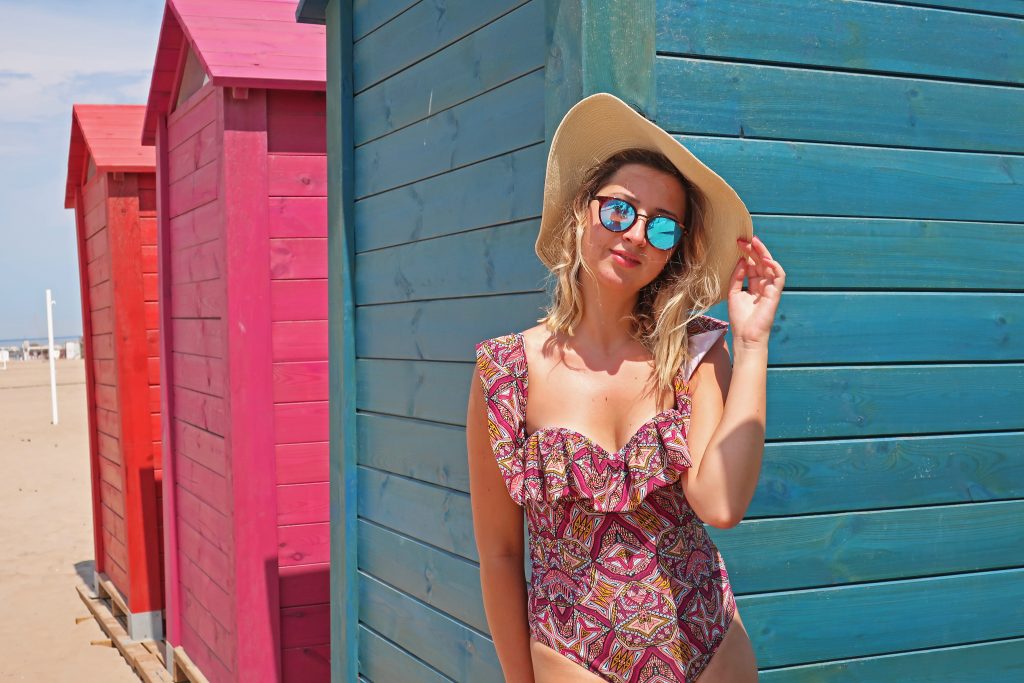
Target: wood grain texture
856 36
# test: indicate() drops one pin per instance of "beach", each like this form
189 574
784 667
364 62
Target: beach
46 530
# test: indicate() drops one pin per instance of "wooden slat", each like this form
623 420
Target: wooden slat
448 583
298 382
476 63
298 300
458 136
426 451
298 258
301 422
297 175
367 16
998 662
302 463
305 584
305 626
382 660
424 512
800 104
403 41
442 642
303 503
826 402
945 609
303 544
300 341
826 550
929 42
812 328
298 216
506 188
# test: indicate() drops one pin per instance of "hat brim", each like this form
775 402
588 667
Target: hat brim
601 125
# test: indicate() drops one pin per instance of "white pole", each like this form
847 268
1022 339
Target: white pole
53 361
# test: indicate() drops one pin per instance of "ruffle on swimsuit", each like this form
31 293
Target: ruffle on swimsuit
557 464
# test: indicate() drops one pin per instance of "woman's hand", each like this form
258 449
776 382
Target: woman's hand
752 312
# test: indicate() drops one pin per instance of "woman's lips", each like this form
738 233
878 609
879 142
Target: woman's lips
624 260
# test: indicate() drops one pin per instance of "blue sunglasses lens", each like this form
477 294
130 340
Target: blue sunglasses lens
617 215
663 233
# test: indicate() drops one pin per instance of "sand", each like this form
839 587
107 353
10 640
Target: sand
46 531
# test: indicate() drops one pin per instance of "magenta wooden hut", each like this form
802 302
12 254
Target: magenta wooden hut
111 187
236 110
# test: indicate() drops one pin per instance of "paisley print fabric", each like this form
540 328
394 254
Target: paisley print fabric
625 581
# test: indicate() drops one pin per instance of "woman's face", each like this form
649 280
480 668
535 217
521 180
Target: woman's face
626 258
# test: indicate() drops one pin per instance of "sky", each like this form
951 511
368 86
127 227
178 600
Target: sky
54 54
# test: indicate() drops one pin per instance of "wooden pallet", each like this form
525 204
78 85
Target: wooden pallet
144 656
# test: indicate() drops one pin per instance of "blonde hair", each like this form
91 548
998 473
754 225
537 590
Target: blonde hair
684 289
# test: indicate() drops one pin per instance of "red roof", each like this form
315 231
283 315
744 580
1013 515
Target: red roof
240 43
110 133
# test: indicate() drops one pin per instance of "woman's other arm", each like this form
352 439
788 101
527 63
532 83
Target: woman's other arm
727 425
726 433
498 527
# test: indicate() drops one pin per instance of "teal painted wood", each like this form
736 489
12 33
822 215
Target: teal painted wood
437 578
456 137
432 514
424 270
369 15
854 36
452 648
506 188
797 477
1001 661
826 402
479 62
1011 8
821 252
341 337
827 550
760 101
419 32
598 46
842 180
812 327
426 451
383 660
796 627
775 554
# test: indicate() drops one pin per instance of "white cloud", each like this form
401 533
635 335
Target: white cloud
46 51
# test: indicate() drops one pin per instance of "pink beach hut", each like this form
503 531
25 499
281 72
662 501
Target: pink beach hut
236 110
111 187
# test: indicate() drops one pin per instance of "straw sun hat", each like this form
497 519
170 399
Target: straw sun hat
600 125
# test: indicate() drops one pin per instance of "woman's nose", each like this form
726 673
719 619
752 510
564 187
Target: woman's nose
637 233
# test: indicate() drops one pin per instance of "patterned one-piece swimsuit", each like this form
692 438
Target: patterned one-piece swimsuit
625 580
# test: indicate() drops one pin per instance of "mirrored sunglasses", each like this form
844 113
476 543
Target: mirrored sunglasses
619 215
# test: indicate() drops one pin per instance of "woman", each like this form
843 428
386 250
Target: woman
626 585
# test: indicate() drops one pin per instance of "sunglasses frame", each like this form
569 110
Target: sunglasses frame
683 228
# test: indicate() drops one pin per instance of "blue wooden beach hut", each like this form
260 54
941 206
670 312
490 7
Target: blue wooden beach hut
878 145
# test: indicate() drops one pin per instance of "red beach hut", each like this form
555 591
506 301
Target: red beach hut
237 111
112 188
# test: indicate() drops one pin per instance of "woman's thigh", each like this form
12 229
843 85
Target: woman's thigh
549 666
733 661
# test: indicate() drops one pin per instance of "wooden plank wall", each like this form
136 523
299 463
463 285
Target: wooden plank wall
876 145
297 206
199 424
449 160
146 183
108 423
